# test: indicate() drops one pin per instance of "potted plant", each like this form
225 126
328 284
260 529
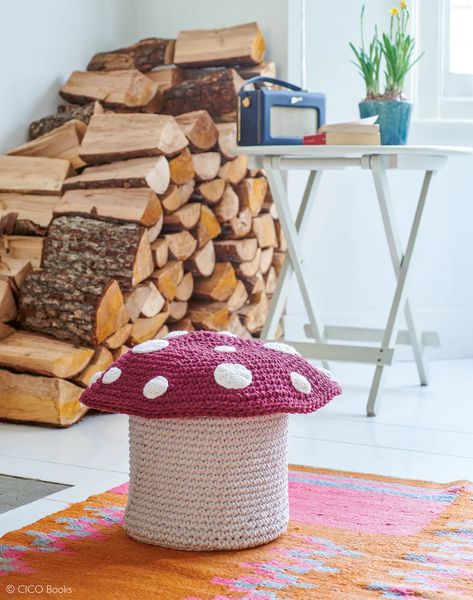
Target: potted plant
395 51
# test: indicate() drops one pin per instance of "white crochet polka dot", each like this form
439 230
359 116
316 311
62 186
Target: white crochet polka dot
227 333
112 375
280 347
150 346
300 383
177 333
96 377
155 387
225 349
326 372
233 376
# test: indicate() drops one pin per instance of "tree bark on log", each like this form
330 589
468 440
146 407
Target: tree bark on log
144 56
82 113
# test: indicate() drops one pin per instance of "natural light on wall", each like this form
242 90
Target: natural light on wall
461 37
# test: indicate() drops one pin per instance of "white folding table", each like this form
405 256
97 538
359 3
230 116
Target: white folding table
378 159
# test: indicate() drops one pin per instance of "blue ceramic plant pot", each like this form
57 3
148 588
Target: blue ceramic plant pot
394 117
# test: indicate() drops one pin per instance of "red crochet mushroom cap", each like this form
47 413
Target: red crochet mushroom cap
203 373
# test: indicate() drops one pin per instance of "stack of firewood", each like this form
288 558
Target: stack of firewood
127 215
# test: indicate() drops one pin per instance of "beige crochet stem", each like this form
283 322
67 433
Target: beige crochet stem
208 483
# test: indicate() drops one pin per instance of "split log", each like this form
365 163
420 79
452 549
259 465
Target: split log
238 298
162 333
32 398
101 361
263 69
24 247
235 326
228 206
113 89
249 268
181 245
212 316
14 271
210 192
112 137
146 328
6 330
62 142
135 300
119 352
254 284
241 45
238 227
154 302
120 336
160 252
186 217
278 261
236 250
254 314
80 113
265 231
215 93
206 165
207 228
166 76
281 238
234 170
154 231
144 56
227 139
58 303
202 262
182 168
8 309
199 128
177 310
182 325
83 246
168 278
40 354
219 286
185 288
26 214
266 260
176 196
136 205
33 174
252 193
270 281
134 173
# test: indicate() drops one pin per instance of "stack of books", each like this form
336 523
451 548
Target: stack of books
357 133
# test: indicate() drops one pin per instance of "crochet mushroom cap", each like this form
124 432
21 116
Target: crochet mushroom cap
208 374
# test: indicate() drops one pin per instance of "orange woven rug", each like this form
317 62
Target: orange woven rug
351 536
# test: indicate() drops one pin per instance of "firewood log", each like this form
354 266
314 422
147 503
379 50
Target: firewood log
112 137
278 260
38 399
120 336
234 170
210 192
80 113
265 231
236 250
270 281
202 262
176 196
162 333
182 325
266 69
40 354
185 217
182 168
254 284
168 278
212 316
228 206
240 44
266 260
160 251
6 330
146 328
238 227
31 213
62 142
33 174
219 286
135 300
136 205
116 250
113 89
154 302
25 247
254 314
185 288
252 193
207 228
8 309
281 238
206 165
199 128
227 140
101 361
249 268
135 173
215 93
177 310
238 298
154 231
166 76
85 309
119 352
181 245
144 56
14 271
235 326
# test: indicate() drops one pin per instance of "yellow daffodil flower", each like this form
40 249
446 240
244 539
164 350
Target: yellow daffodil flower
403 4
394 11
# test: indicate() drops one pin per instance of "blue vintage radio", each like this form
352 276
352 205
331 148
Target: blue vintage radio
268 117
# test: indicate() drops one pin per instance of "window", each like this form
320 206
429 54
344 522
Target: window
444 81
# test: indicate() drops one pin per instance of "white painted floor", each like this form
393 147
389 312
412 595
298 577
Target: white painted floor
419 433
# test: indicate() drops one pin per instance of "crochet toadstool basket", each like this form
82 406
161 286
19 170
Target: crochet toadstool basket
208 436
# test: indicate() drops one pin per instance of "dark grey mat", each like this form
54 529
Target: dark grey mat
16 491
